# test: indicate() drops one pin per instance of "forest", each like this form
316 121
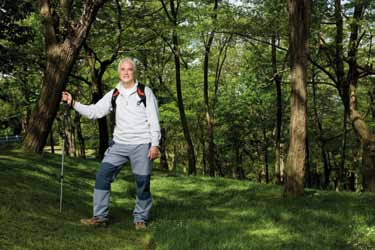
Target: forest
266 91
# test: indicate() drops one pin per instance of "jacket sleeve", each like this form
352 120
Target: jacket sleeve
97 110
153 116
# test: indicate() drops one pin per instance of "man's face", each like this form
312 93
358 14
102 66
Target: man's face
126 72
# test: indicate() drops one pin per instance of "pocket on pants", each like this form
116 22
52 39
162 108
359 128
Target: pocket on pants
111 144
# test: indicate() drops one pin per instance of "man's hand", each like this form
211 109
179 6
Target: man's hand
67 97
153 153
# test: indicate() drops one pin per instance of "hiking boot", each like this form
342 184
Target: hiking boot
95 221
140 225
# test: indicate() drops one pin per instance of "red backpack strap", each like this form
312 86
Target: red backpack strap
141 93
115 94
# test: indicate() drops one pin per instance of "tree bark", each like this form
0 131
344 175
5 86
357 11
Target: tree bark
70 142
258 148
308 169
174 161
52 142
60 59
265 152
204 164
299 22
207 106
341 169
185 127
279 110
239 172
326 167
81 140
163 156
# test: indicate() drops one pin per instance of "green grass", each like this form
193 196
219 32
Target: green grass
188 212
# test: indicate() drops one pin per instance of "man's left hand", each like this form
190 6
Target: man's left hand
153 153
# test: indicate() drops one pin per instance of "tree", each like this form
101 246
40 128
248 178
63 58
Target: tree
207 41
299 22
63 41
173 18
97 79
346 73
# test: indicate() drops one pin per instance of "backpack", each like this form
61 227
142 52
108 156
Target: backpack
140 92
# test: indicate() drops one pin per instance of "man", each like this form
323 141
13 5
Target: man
135 138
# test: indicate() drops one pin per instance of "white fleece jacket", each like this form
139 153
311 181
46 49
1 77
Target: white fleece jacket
135 124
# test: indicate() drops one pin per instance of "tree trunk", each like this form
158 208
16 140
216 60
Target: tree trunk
368 142
52 142
204 164
308 169
366 136
341 169
261 172
60 60
238 170
190 147
326 167
81 141
219 167
265 152
279 110
59 63
174 162
26 119
163 156
208 109
97 94
350 101
299 22
282 163
70 144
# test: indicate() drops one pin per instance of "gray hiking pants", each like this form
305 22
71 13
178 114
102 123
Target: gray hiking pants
115 156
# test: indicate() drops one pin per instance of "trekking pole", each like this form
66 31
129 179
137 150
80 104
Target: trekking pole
65 118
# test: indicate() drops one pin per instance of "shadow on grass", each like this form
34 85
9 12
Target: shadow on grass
188 212
228 217
29 211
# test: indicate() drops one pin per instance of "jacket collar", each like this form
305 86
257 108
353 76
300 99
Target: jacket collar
121 88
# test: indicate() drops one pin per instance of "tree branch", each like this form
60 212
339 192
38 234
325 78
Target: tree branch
66 6
81 79
251 38
324 70
48 24
107 62
166 11
366 70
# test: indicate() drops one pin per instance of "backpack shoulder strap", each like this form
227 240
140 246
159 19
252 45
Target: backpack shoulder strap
115 94
141 93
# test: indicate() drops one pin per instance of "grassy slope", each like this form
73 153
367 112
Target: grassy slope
188 213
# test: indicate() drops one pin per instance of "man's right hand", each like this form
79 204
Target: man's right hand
67 97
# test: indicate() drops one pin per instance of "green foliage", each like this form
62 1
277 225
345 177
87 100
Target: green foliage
14 33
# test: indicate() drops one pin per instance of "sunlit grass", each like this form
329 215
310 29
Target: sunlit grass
188 212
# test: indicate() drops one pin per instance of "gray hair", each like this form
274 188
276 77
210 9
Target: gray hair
129 60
